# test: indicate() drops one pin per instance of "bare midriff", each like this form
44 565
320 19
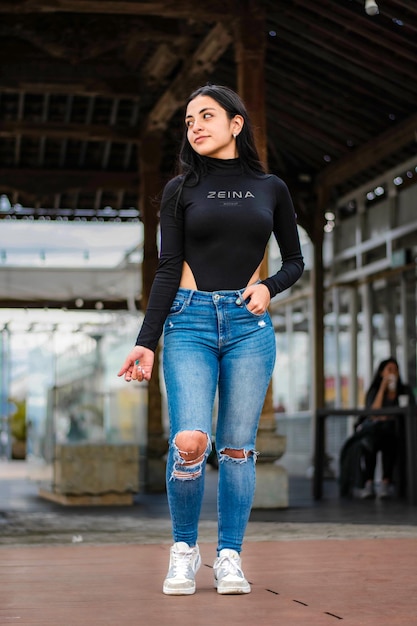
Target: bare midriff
188 280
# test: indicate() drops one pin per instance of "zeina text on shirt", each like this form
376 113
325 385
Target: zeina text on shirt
230 194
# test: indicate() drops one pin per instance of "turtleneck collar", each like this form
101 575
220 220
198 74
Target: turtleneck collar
223 167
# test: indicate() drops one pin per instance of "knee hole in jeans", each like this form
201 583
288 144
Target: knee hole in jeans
239 455
192 448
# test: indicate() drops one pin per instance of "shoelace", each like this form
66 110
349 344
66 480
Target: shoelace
229 564
181 562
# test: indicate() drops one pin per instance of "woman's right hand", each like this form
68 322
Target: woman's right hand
138 364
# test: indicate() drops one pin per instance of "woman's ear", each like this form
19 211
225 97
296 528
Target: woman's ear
237 124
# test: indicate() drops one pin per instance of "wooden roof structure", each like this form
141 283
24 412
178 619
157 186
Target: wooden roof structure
86 87
82 80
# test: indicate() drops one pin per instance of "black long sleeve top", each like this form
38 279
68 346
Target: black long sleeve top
221 228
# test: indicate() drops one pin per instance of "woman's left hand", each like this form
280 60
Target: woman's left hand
259 298
138 364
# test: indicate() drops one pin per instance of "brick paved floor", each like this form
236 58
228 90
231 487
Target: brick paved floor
315 564
294 583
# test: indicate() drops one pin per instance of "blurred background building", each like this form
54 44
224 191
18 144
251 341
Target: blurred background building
91 100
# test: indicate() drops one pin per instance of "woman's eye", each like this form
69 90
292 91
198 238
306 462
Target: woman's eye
190 123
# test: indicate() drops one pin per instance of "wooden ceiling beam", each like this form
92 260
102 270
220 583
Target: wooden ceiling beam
369 48
48 182
365 28
30 75
91 88
339 127
309 129
333 57
162 63
357 15
288 142
77 47
370 154
340 86
200 65
408 6
71 132
215 10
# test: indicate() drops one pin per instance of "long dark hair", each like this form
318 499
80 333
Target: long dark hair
191 165
374 386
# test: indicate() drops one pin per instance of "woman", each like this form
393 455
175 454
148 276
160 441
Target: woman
216 219
384 391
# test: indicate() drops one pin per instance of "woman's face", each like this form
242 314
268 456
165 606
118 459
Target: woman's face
209 129
390 369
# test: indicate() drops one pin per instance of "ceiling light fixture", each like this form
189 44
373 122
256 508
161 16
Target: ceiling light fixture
371 7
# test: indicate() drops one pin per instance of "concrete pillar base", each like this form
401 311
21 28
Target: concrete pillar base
271 487
155 472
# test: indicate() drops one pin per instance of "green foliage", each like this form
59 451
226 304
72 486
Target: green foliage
18 425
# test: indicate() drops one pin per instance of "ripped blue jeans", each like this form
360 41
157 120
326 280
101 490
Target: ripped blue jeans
214 347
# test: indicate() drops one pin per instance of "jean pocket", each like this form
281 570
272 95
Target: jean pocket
177 306
257 315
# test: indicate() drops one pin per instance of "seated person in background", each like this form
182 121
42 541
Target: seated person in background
376 433
384 391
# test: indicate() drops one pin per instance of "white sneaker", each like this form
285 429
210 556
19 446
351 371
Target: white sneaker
385 491
184 562
228 575
368 492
